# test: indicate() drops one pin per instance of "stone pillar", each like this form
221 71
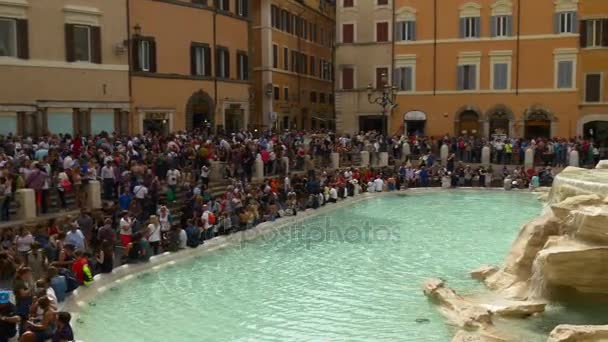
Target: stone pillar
215 171
443 154
574 158
285 161
485 155
364 159
93 191
405 150
27 204
383 159
335 160
529 159
258 168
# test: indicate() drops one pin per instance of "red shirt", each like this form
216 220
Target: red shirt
77 268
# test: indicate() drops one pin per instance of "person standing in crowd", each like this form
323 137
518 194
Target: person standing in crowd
8 317
154 234
108 178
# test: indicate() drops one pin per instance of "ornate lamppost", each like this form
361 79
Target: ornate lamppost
385 97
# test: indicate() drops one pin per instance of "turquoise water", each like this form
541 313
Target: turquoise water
354 274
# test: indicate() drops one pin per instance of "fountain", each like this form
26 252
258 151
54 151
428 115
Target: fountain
558 256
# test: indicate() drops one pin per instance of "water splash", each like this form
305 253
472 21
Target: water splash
538 283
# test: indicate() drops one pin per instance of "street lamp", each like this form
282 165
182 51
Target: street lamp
385 97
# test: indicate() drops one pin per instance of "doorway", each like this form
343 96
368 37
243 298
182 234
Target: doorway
597 131
199 111
537 125
415 127
370 123
468 123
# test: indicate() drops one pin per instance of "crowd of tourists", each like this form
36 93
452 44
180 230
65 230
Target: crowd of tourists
141 176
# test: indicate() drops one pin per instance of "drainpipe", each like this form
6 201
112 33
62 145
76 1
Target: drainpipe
517 48
435 47
391 80
215 96
130 64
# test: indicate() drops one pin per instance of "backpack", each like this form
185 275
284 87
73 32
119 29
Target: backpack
211 219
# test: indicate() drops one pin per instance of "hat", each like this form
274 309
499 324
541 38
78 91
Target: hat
5 297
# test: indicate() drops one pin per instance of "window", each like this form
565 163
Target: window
565 78
321 97
594 33
382 2
348 74
201 59
200 2
404 78
242 65
294 61
314 33
304 29
223 5
222 63
313 68
286 94
467 77
83 43
565 22
8 37
405 30
313 97
381 77
593 87
382 32
331 98
286 58
275 14
277 93
501 26
348 3
275 56
348 33
285 21
501 76
242 8
144 55
303 64
470 27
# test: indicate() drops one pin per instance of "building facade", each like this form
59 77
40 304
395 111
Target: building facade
364 51
63 66
293 63
189 64
593 121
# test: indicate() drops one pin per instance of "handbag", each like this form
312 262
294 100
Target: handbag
66 185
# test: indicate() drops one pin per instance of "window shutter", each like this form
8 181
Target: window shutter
207 52
604 32
509 25
347 78
192 60
227 62
397 78
472 78
412 30
409 80
477 27
96 44
556 18
592 88
69 43
135 54
493 23
239 69
463 25
460 77
399 31
152 55
569 72
574 22
496 84
583 36
23 46
347 33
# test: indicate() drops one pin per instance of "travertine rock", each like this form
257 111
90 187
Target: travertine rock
582 267
475 336
565 207
520 310
457 310
579 333
483 272
591 224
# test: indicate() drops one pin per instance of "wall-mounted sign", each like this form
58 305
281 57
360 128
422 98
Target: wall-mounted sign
415 115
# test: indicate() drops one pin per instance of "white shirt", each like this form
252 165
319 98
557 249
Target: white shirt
172 177
333 193
140 191
125 227
205 218
107 172
154 230
204 171
378 185
183 239
164 221
67 162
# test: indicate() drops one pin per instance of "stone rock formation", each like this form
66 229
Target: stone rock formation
579 333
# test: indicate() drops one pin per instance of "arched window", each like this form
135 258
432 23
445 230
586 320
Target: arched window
405 24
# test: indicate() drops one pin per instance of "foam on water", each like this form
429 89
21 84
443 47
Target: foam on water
354 274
